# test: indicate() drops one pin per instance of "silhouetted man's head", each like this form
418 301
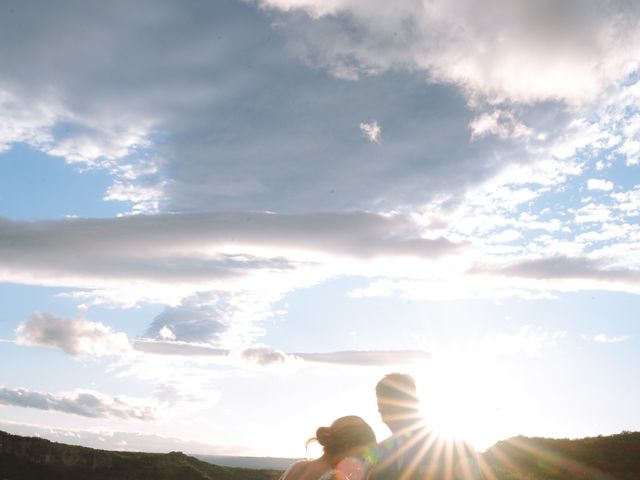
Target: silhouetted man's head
397 401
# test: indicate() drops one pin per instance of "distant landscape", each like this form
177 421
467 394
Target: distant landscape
614 457
29 458
274 463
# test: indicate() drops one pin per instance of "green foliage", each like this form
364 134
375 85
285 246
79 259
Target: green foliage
615 457
24 458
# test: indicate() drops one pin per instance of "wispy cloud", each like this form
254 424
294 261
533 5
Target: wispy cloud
371 131
602 338
564 267
499 122
599 184
528 340
264 355
365 358
160 347
83 403
82 337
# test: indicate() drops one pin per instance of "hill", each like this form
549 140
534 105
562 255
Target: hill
614 457
28 458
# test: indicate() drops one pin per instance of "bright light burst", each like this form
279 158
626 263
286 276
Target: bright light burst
461 397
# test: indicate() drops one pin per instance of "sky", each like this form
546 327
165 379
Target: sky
222 222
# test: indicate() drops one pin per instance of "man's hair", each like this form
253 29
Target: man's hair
397 388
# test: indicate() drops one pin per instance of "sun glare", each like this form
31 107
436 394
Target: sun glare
460 400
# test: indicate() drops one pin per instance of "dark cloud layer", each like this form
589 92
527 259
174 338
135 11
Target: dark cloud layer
169 248
228 114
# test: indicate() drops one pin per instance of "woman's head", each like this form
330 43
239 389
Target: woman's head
345 437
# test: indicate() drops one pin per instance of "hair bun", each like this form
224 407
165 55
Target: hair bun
323 435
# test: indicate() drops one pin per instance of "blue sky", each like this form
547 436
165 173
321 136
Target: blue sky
224 220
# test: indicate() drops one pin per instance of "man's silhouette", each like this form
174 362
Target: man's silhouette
412 451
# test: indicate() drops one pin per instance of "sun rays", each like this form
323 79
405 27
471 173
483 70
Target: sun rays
429 456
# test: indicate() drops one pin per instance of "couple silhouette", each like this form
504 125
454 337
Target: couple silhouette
412 452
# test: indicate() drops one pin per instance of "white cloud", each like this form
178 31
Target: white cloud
80 337
499 122
371 131
314 7
145 198
581 134
77 336
593 213
101 148
24 122
602 338
84 403
221 318
562 272
628 202
265 356
242 263
179 348
367 358
458 287
528 341
608 232
166 333
33 120
631 149
568 248
505 236
573 52
599 184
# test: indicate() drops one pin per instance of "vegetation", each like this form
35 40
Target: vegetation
615 457
25 458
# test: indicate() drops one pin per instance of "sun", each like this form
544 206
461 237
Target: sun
460 400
